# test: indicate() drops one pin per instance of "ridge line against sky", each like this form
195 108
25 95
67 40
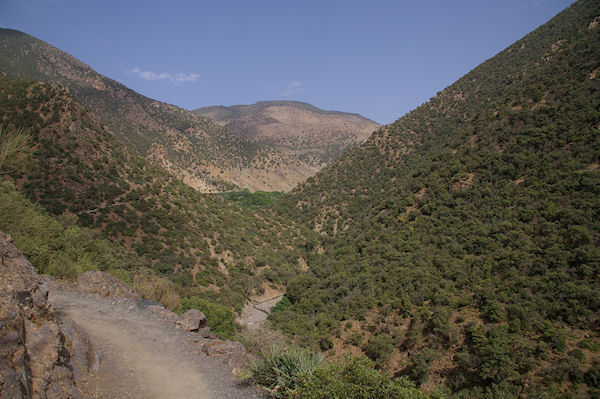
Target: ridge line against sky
380 59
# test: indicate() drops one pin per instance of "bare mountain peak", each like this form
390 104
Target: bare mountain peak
202 153
313 135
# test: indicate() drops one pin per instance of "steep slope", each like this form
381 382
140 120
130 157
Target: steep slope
460 244
311 134
201 152
203 243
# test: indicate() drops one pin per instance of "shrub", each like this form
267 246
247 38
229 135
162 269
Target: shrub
419 365
281 368
354 377
379 348
14 149
355 338
592 377
325 343
220 319
122 274
282 305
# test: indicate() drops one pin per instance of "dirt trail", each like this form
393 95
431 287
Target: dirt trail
144 355
254 315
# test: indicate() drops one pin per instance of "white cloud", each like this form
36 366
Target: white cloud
292 88
171 77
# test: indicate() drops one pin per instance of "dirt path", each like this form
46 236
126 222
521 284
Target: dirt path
144 355
255 314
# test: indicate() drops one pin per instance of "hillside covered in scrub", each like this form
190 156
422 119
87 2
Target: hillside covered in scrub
202 242
200 152
313 135
455 253
461 243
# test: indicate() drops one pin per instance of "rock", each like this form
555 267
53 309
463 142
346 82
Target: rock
34 362
192 320
205 333
96 282
163 312
83 357
234 353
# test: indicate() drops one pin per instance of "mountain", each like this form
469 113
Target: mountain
80 171
202 153
300 130
460 245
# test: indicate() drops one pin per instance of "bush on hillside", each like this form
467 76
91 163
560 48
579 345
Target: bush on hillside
220 319
355 377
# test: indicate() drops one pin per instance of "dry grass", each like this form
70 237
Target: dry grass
158 289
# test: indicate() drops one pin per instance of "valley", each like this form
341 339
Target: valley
454 253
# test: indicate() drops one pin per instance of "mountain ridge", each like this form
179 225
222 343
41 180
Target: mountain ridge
299 129
203 154
266 103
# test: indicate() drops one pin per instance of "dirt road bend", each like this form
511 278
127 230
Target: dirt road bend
143 355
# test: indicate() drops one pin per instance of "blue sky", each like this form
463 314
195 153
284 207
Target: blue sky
379 58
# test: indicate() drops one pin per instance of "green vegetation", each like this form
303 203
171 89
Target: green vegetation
355 377
14 149
220 319
255 200
205 245
282 368
60 249
467 233
458 246
146 127
293 372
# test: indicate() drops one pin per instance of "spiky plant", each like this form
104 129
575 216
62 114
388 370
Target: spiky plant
281 367
14 149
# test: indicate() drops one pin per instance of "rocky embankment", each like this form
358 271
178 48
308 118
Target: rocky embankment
40 354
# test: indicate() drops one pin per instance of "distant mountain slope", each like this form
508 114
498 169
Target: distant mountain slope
461 244
202 242
201 152
301 130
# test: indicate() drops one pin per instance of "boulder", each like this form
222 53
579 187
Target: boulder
96 282
192 320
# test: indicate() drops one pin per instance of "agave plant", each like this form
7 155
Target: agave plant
14 149
281 367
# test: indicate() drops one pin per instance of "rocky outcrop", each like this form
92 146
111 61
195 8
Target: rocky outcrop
34 360
96 282
192 320
84 358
